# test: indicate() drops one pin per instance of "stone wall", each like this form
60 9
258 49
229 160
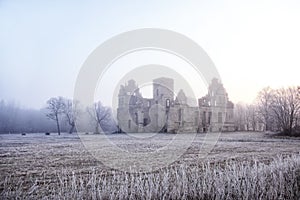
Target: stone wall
165 114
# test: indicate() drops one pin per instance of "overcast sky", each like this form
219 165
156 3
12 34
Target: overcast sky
43 44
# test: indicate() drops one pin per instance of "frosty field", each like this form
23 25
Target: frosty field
241 165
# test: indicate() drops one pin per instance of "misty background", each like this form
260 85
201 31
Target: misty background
43 44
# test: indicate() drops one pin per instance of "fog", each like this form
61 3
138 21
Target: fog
44 44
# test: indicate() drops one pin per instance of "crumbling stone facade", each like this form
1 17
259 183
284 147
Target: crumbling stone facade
167 113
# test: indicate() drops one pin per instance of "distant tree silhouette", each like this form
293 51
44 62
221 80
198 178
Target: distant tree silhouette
102 117
71 111
55 109
264 100
286 107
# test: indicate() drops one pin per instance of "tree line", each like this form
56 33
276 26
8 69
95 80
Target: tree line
95 116
276 110
14 119
273 110
59 115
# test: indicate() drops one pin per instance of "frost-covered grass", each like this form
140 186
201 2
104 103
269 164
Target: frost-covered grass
241 165
280 179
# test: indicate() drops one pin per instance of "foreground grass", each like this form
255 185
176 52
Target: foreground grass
279 179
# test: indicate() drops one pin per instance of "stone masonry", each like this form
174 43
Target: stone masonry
166 112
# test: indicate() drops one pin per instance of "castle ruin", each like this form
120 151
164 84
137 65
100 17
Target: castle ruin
166 112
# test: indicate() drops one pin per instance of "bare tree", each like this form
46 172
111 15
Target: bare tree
102 117
92 115
239 117
248 115
71 111
98 114
297 124
264 101
252 117
55 108
286 107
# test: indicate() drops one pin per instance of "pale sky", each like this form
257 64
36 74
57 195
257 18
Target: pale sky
43 44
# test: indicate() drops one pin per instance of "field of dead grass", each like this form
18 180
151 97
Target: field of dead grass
241 165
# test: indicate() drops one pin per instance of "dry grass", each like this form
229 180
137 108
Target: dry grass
241 166
233 180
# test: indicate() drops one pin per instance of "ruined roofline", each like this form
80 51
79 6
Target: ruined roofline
166 80
163 78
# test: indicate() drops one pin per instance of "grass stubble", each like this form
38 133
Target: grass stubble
251 178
